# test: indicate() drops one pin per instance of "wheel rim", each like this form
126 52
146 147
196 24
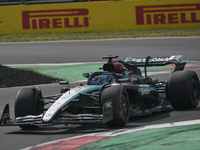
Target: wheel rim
124 106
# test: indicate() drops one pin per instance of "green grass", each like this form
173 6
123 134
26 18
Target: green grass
100 35
73 72
65 72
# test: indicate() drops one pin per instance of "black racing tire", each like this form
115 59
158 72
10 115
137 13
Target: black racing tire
25 104
120 103
183 90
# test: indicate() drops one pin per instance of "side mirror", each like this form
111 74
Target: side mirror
63 82
87 75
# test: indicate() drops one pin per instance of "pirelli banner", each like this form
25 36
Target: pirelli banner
99 16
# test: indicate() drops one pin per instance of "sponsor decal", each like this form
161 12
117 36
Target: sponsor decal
145 90
177 58
140 60
168 14
55 19
5 116
108 104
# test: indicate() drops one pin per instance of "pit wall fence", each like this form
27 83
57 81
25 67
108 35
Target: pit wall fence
99 16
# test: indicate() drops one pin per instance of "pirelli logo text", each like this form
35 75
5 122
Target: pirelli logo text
168 14
52 19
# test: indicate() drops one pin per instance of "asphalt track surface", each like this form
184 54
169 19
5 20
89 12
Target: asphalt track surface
93 50
85 51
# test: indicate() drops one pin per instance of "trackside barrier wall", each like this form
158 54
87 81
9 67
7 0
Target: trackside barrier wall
99 16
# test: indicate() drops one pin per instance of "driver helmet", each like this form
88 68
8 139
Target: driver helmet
104 79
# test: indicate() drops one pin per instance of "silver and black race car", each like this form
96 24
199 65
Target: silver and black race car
110 96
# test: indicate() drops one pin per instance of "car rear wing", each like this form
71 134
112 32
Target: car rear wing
156 61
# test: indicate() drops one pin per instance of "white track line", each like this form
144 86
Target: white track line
91 40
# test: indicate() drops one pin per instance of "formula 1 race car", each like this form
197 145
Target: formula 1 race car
110 96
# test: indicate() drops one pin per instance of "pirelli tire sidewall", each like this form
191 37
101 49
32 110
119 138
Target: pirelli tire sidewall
183 90
120 104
